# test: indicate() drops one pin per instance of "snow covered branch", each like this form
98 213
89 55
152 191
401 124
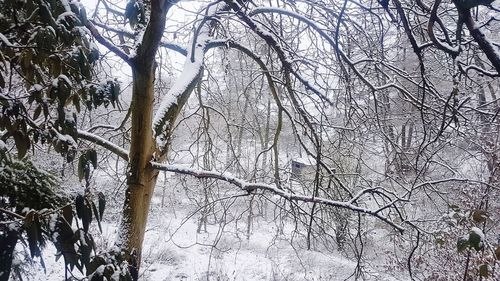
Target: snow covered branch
121 152
250 186
173 101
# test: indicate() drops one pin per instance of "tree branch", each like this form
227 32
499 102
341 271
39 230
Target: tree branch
106 43
168 45
250 186
480 38
121 152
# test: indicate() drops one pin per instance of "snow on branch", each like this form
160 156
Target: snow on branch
67 139
251 186
123 153
453 51
310 23
183 86
6 41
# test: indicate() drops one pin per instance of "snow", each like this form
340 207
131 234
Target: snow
63 16
103 142
13 226
175 251
192 68
66 139
66 6
478 232
5 40
65 78
36 87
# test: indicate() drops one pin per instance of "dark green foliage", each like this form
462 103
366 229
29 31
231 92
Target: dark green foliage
26 192
22 185
46 70
87 159
36 214
135 13
47 62
111 263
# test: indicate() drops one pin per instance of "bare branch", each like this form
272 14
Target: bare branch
108 44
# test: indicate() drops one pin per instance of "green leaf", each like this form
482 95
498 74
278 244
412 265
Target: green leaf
96 214
70 155
36 136
92 157
96 262
80 205
483 270
63 91
37 113
101 203
93 56
85 249
76 102
83 16
33 233
86 216
475 241
2 81
22 143
82 162
67 212
132 13
462 244
74 7
65 242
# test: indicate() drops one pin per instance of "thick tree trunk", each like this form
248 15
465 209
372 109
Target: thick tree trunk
141 177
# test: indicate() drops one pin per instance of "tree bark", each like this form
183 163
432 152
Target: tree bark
141 176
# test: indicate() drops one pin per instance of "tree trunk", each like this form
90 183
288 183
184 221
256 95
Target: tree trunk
141 177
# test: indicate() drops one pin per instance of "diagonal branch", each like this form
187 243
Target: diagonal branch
177 96
106 43
491 52
121 152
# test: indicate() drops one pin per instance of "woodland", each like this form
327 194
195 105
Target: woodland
249 140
